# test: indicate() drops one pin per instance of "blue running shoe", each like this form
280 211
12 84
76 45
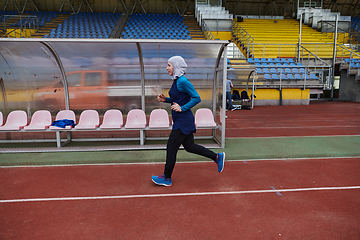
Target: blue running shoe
162 180
221 161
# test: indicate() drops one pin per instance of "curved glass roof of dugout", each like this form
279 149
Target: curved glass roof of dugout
79 74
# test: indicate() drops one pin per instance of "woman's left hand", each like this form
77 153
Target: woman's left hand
176 107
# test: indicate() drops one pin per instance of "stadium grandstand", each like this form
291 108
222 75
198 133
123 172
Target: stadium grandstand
279 53
94 101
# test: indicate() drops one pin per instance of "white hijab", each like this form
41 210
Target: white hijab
179 66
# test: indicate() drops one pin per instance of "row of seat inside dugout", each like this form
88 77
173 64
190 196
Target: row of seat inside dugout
90 119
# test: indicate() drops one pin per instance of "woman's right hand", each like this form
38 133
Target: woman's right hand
161 98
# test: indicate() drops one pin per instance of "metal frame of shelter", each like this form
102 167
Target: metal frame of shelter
53 49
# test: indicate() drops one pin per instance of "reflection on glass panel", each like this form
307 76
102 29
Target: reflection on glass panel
93 79
109 75
201 62
25 70
73 79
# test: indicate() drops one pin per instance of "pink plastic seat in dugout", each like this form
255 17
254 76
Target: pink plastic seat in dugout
1 119
204 118
64 114
159 118
16 120
136 118
89 119
40 120
113 118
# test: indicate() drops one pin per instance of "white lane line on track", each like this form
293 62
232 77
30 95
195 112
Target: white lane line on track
176 194
180 162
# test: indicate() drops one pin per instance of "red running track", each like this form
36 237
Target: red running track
121 202
322 118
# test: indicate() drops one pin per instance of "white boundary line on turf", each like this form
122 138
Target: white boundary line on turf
335 126
176 194
180 162
299 136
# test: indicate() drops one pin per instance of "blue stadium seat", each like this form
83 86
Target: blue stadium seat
273 70
274 76
286 65
266 70
287 70
290 60
294 70
297 76
290 76
313 76
282 76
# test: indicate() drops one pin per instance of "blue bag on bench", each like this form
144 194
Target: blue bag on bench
63 123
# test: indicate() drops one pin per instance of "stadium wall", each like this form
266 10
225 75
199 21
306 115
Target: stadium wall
224 35
290 96
349 89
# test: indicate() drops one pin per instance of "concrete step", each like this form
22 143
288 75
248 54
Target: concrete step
193 28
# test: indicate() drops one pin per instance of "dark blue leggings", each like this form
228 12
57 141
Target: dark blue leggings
177 138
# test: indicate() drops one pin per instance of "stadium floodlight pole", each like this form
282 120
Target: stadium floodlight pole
334 58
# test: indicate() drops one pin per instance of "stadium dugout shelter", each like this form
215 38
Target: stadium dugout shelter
99 74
